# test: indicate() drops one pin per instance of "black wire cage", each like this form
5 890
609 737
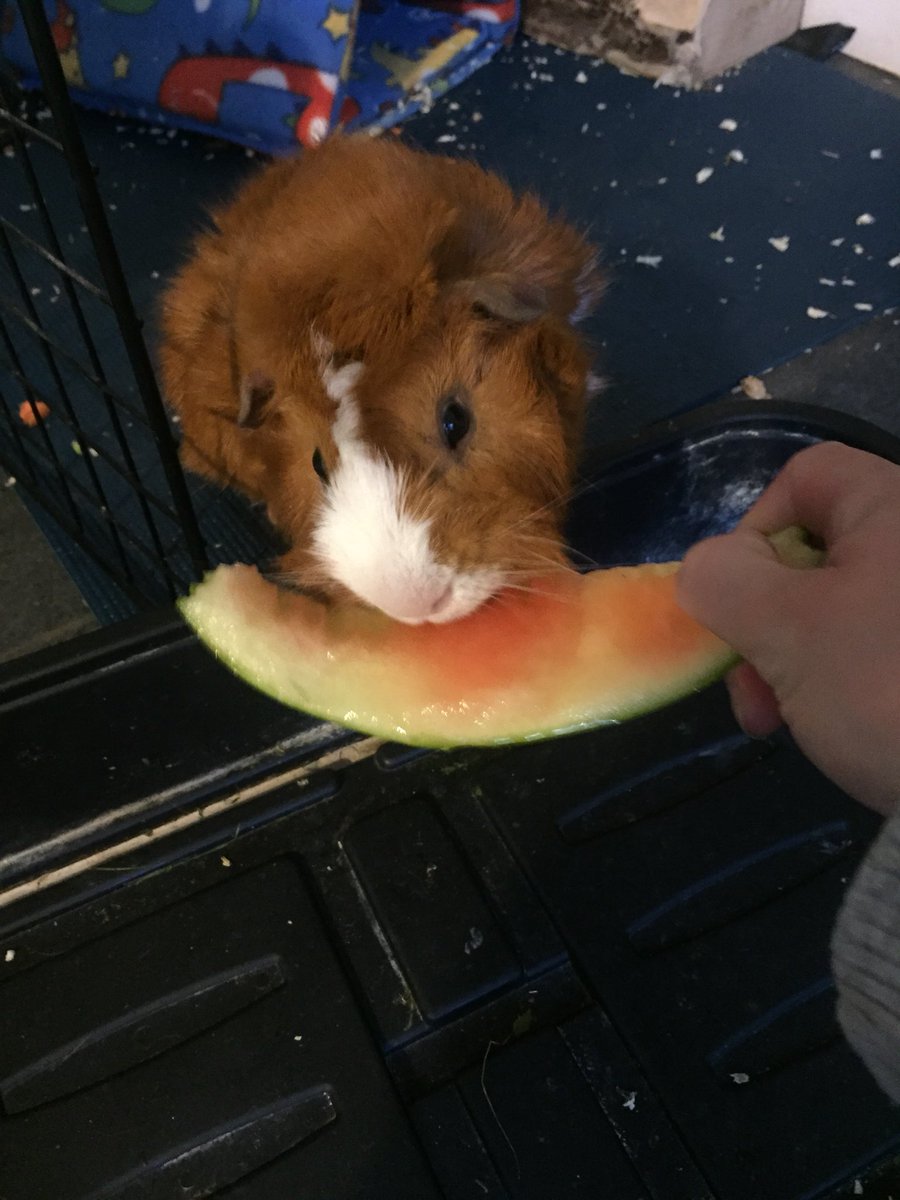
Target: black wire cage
83 430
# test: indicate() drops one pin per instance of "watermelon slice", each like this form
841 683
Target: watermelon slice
573 652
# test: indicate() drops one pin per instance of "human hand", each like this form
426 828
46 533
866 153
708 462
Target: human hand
821 647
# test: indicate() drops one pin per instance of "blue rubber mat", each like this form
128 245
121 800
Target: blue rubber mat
740 225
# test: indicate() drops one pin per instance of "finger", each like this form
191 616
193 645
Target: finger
736 586
753 702
827 488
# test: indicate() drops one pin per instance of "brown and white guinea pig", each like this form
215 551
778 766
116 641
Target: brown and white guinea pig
378 344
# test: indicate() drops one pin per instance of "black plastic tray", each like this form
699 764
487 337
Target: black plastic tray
590 968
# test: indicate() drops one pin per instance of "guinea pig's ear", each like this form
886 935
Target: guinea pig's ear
559 363
256 395
508 298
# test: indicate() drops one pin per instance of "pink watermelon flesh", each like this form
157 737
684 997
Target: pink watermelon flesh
574 652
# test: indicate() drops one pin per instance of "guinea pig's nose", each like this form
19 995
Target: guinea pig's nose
442 601
417 610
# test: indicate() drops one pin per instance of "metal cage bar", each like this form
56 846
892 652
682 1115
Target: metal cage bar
163 534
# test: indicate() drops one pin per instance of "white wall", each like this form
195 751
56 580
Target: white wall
877 23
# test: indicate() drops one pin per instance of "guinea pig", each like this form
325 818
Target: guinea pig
379 345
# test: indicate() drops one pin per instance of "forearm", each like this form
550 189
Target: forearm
866 959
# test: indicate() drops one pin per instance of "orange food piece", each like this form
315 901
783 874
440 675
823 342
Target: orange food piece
33 411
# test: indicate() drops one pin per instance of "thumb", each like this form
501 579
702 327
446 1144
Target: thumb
736 586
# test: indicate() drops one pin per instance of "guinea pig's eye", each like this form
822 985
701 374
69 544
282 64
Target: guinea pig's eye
454 421
319 465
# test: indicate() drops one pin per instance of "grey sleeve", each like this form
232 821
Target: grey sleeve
865 951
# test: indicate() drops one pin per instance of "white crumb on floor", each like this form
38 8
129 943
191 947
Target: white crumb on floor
754 388
837 241
703 174
740 1077
863 307
876 153
729 124
736 156
828 282
581 77
648 260
895 261
10 954
858 249
718 235
780 243
816 313
865 219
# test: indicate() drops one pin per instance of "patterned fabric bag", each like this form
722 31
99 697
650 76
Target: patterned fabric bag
266 73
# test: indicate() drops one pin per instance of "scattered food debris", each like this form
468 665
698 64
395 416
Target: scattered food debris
601 107
780 243
703 174
718 235
857 1187
895 261
740 1077
729 124
581 77
76 446
848 282
828 282
33 411
754 388
865 219
630 1102
226 862
816 313
876 153
831 154
447 137
858 249
863 307
9 956
648 260
736 156
474 941
837 241
476 117
298 1037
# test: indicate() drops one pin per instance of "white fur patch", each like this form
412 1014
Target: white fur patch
369 542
